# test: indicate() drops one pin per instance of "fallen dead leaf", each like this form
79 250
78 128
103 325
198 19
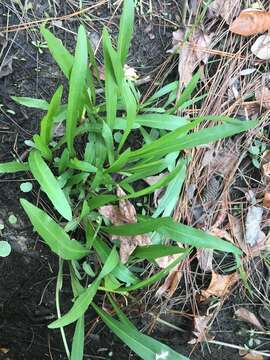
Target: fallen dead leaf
265 166
151 180
221 233
247 316
254 234
253 357
101 72
205 256
200 329
251 22
124 214
191 54
6 67
220 285
250 356
237 229
263 95
223 161
227 9
4 350
205 259
266 200
261 47
266 169
171 282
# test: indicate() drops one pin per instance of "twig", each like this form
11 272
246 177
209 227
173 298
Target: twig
238 347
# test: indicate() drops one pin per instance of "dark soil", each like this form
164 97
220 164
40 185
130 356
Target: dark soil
28 275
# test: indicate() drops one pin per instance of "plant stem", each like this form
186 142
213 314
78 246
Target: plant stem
57 302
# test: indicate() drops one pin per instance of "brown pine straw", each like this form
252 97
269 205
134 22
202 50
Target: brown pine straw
31 24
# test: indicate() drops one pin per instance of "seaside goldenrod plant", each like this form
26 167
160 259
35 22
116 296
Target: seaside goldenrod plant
79 178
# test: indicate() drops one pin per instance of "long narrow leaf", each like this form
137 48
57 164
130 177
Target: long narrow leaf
48 120
60 54
84 300
175 231
49 184
126 29
144 346
31 102
55 237
78 340
76 86
201 137
12 167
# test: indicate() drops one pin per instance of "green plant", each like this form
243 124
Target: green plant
78 181
256 150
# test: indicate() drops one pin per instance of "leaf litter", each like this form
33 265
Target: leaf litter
228 9
125 213
251 22
248 317
191 53
201 329
220 285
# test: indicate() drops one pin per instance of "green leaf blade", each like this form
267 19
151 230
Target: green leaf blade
49 184
55 237
78 340
76 87
60 54
126 30
13 166
84 300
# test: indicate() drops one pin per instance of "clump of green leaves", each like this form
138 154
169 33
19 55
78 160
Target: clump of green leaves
78 180
256 151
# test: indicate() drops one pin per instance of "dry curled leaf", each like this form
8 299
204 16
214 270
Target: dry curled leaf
205 259
236 229
261 47
151 180
6 67
263 95
4 350
254 234
171 282
220 285
247 316
191 53
223 161
266 200
251 356
201 329
265 166
251 22
124 214
227 9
